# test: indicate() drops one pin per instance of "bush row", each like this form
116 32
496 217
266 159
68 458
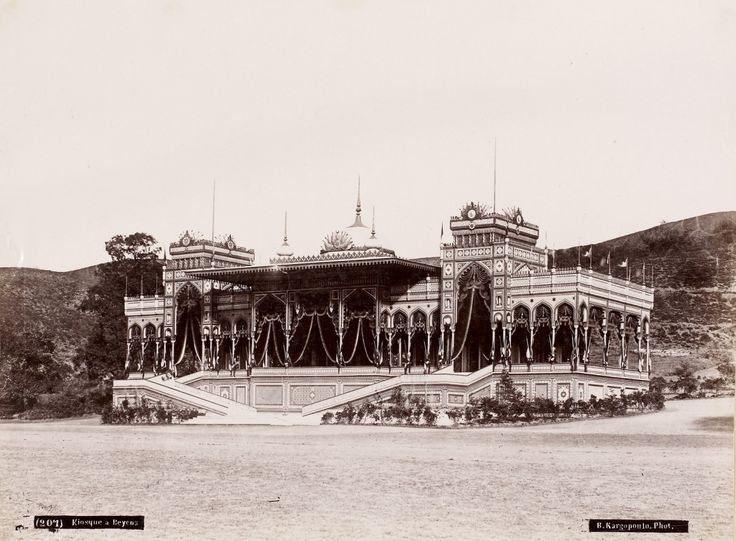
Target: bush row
145 413
508 407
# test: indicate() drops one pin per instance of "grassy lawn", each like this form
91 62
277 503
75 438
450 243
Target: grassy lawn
364 482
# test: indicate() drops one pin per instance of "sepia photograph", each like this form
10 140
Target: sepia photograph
364 270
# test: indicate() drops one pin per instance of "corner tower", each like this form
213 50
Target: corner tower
486 250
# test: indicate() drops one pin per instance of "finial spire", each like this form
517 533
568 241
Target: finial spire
357 206
358 221
372 241
285 250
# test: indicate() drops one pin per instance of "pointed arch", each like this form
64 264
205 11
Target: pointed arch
188 329
520 349
472 333
542 346
135 332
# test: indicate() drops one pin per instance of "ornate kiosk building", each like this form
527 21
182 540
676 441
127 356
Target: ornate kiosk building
312 333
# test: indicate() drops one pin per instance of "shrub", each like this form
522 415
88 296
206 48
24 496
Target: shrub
568 407
327 418
455 414
429 415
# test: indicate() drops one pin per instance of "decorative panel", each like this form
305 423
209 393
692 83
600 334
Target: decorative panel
301 395
429 398
563 391
269 395
541 390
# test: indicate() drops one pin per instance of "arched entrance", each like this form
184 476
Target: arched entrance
270 338
615 339
313 339
418 345
188 330
399 340
564 334
472 332
542 345
359 338
520 337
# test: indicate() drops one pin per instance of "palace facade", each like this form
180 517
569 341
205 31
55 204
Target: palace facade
310 333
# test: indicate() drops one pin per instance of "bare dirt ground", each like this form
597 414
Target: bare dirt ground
363 482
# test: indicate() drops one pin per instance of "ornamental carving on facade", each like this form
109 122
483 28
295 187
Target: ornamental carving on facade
337 241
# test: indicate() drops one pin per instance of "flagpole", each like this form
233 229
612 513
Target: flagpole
213 222
494 175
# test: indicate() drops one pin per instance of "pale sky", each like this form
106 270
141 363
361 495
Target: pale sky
116 117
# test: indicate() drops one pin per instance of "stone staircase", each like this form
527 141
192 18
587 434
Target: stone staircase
160 389
464 382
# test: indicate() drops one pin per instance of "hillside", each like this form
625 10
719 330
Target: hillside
693 265
47 300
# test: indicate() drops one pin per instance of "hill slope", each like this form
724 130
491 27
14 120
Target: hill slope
693 265
47 300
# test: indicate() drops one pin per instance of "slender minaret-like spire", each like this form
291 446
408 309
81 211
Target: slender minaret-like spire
373 241
285 250
494 175
358 221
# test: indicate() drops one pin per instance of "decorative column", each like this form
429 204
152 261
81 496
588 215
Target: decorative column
638 348
163 358
452 342
216 353
604 332
128 342
233 342
401 357
204 360
622 335
576 349
649 361
143 351
409 335
507 341
287 329
340 323
532 327
441 352
391 332
493 342
251 346
426 349
155 358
